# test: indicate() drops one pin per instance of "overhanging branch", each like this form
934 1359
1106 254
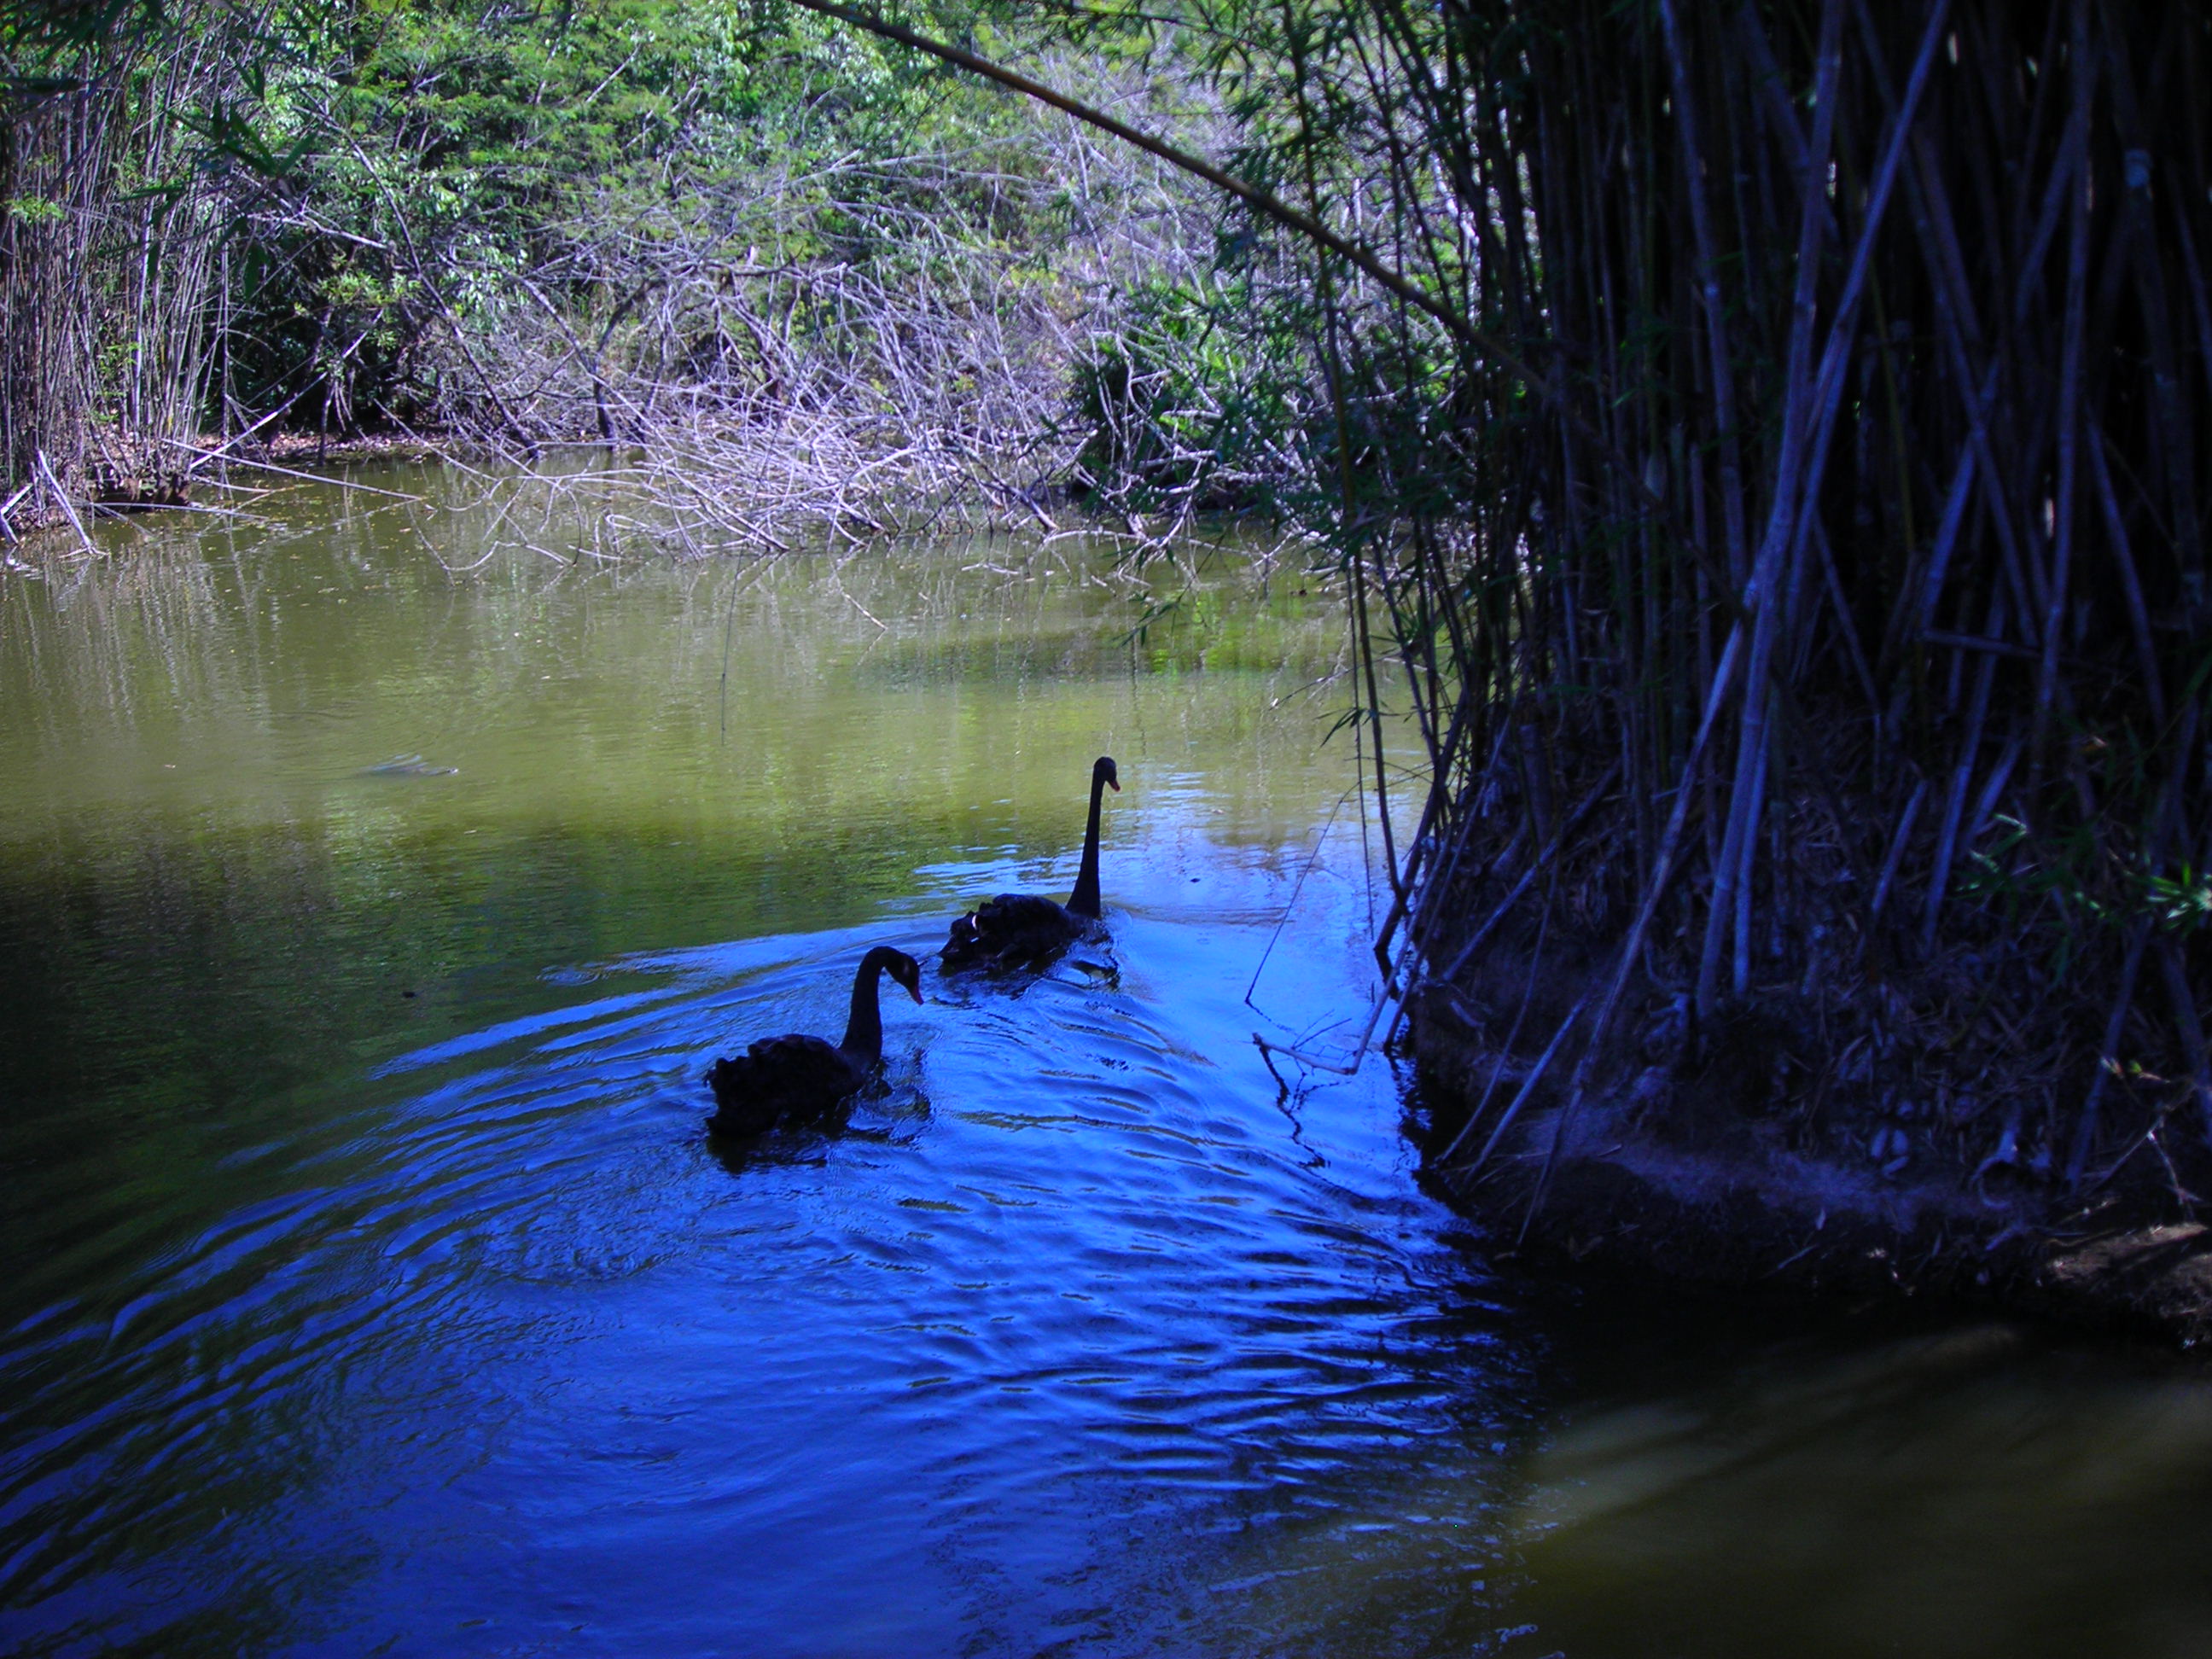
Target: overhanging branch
1263 202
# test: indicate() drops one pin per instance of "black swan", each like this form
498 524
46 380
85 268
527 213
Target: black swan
797 1078
1017 929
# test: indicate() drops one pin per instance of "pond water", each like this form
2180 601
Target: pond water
367 922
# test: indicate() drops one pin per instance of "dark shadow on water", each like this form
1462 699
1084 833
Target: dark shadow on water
963 985
888 1113
1733 1478
779 1148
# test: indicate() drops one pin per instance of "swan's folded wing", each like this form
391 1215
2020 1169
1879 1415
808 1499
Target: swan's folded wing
1011 928
778 1077
1021 913
806 1065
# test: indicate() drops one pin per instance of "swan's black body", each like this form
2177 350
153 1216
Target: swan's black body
1021 930
1014 930
797 1078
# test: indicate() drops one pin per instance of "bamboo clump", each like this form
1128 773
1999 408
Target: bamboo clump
1794 564
110 233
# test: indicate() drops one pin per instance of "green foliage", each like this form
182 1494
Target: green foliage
2085 882
39 38
2180 903
411 158
1212 392
408 191
1200 396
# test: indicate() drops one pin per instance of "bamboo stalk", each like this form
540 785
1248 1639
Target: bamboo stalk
1720 364
62 504
2070 388
1505 1118
2191 1024
2107 1055
2130 581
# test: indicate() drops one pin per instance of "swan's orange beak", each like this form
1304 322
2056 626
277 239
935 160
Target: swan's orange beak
915 990
1115 787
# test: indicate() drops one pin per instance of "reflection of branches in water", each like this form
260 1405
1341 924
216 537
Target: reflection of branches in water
610 515
104 622
1300 1047
125 641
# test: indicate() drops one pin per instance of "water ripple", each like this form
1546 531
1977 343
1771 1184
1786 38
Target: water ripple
1073 1274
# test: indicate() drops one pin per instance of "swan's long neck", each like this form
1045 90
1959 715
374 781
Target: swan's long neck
864 1030
1084 900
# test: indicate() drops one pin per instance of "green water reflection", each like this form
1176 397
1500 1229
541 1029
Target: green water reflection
210 899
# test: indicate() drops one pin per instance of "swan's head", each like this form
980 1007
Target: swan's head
1102 771
906 971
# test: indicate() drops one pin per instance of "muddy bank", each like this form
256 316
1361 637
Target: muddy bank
1624 1191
